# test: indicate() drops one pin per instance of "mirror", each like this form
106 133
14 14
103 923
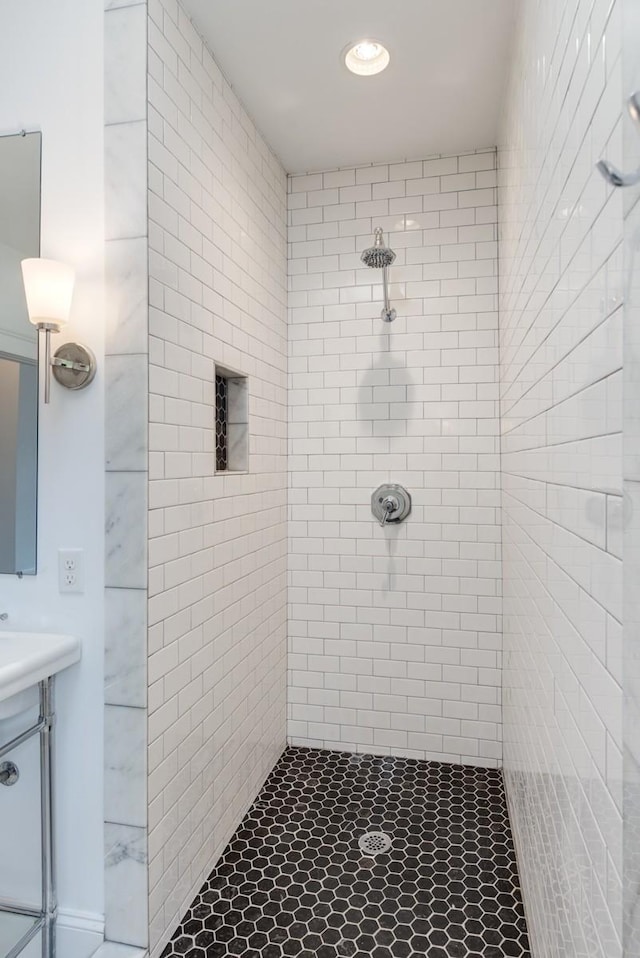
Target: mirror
19 238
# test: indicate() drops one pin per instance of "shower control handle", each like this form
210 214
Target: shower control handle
390 503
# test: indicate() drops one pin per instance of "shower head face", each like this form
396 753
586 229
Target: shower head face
378 256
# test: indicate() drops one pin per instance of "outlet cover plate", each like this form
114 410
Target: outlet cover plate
71 571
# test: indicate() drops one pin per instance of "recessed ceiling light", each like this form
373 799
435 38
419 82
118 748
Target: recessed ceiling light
366 57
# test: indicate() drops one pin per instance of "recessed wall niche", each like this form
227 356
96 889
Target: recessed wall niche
232 421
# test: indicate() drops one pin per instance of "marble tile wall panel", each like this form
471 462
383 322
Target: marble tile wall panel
217 543
126 883
125 668
560 259
126 877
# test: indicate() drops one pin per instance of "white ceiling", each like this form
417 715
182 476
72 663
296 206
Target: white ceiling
441 92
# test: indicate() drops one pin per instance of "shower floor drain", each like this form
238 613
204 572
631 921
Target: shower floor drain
374 843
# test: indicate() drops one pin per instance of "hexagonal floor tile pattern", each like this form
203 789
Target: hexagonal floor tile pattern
293 880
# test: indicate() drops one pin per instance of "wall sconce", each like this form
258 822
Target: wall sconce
48 287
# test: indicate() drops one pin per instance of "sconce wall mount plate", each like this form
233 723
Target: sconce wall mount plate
73 365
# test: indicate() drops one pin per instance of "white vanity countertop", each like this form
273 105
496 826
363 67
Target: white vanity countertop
28 657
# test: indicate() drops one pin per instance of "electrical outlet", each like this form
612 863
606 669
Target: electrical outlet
71 570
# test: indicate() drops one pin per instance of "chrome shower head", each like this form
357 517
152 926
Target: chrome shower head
378 256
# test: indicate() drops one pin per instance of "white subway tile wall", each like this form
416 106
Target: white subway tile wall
217 546
395 633
561 359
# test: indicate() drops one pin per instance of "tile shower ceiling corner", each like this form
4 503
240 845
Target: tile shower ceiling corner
441 93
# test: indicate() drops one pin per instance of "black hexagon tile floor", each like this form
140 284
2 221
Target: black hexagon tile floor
294 880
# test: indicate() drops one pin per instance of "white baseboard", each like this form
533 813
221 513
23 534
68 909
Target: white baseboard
78 935
112 950
81 935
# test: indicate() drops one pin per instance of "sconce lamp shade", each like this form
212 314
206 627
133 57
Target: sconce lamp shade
48 286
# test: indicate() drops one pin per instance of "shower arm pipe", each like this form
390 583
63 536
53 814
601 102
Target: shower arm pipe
388 314
385 286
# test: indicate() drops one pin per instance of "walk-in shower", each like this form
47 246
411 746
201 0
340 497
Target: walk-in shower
381 257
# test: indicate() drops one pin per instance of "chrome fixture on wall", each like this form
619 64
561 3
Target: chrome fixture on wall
381 257
390 503
9 773
48 287
610 172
